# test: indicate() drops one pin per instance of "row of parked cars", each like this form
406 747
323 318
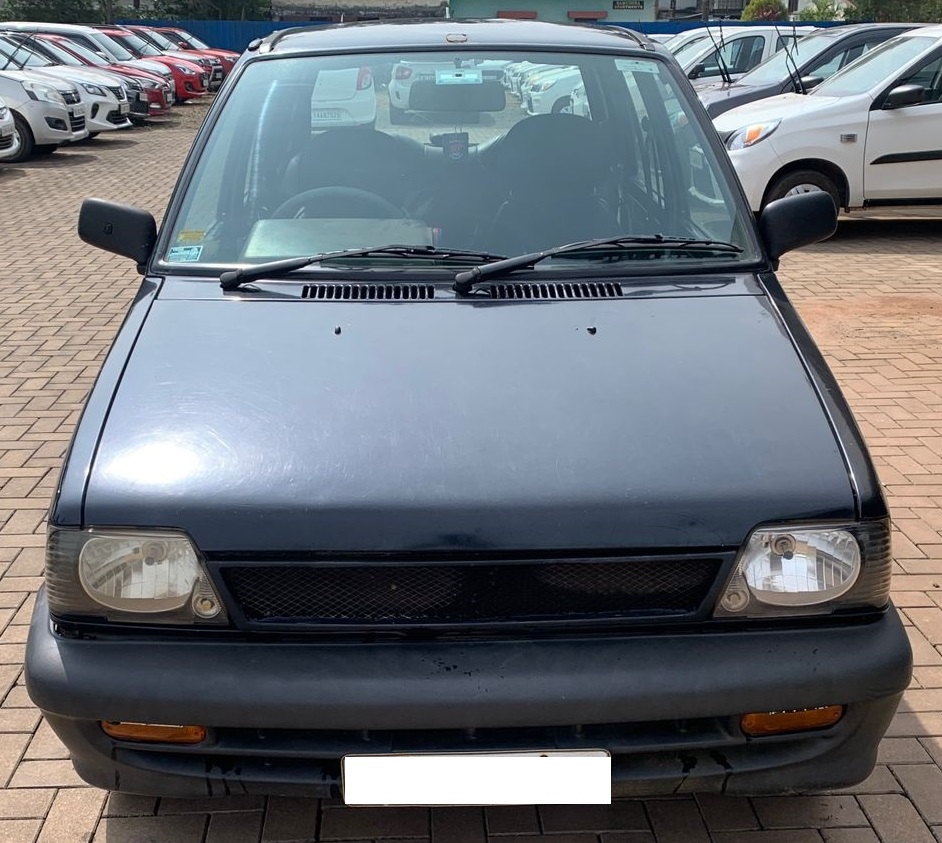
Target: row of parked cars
62 83
854 111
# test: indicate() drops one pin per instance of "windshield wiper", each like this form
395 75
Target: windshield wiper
465 281
235 278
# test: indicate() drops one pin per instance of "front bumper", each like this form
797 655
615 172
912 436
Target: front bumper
282 714
755 167
52 123
9 140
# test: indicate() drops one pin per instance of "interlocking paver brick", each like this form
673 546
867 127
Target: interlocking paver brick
872 298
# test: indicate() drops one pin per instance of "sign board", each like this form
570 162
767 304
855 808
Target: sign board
628 4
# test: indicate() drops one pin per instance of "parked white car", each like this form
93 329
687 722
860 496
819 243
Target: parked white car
867 135
343 98
47 112
103 94
9 141
740 48
551 93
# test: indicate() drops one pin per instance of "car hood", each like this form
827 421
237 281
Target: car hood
77 75
39 75
782 107
656 422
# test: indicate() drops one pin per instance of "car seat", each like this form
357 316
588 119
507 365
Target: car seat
552 166
387 165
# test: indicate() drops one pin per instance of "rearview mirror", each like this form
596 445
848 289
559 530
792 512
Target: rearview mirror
126 231
903 95
457 96
796 221
696 71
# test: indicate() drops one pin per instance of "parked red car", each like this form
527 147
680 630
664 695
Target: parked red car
165 45
190 78
184 40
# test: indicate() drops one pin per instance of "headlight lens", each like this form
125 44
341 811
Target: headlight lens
809 569
185 70
38 91
3 112
94 90
751 135
129 576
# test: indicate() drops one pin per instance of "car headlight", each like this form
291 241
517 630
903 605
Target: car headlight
94 90
751 135
186 71
542 86
38 91
131 576
3 112
796 569
150 84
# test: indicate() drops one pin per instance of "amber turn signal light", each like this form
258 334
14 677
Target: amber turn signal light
153 732
783 722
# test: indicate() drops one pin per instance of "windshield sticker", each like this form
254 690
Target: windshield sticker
191 236
636 66
184 254
461 76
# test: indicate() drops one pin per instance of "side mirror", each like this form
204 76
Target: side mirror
796 221
129 232
809 82
903 95
696 71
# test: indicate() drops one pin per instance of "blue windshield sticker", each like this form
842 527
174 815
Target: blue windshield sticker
459 76
184 254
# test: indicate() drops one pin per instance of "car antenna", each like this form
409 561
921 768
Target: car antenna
790 56
724 70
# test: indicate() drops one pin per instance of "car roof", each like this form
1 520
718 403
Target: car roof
455 33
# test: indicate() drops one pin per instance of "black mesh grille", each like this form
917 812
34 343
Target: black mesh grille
575 290
77 123
365 292
71 97
469 593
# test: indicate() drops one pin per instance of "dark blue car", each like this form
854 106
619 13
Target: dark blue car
476 458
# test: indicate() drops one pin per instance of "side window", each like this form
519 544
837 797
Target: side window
929 76
740 55
831 65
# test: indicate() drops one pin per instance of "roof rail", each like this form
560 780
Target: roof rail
638 37
271 41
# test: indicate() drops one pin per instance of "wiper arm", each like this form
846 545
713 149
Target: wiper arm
235 278
465 281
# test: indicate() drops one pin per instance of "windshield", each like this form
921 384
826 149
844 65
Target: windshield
12 54
876 67
778 67
321 154
157 39
84 53
54 52
691 46
194 41
136 44
111 45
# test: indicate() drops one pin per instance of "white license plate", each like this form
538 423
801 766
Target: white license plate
551 777
123 108
327 114
78 110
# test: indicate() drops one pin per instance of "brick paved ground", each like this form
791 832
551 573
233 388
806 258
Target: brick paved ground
872 298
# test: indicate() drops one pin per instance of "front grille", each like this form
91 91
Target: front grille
116 118
572 290
77 124
71 97
118 92
366 292
445 594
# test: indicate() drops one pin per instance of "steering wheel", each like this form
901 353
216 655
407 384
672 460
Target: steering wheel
338 202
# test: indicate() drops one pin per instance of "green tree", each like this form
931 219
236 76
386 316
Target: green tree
765 10
819 10
56 11
917 11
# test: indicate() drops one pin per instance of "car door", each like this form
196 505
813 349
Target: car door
903 154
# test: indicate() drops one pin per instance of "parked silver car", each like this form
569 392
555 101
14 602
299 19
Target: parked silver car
47 112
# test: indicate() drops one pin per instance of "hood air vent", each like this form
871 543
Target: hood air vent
368 292
575 290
